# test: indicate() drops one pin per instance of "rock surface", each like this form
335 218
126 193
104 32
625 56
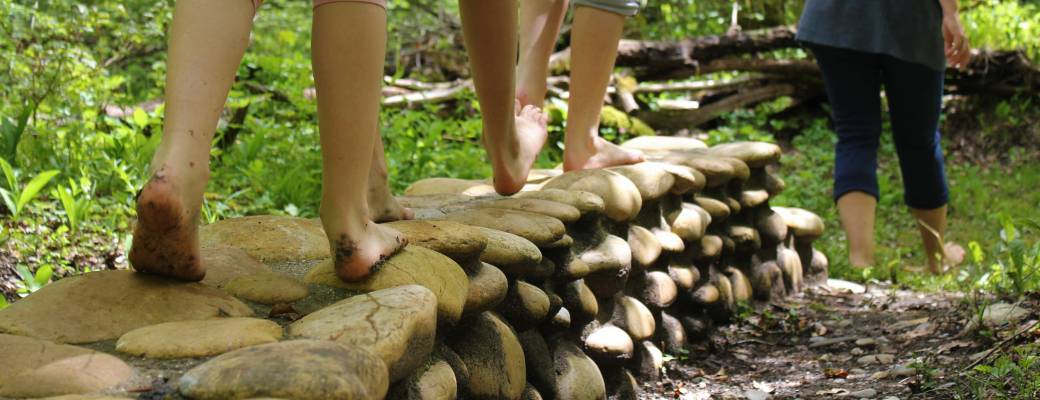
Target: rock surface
620 196
511 253
107 304
491 352
539 229
413 265
39 368
298 369
198 338
267 288
269 238
457 241
397 324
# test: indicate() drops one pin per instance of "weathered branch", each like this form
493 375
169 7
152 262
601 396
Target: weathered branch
672 120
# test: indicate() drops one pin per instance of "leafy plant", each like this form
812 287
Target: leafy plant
3 302
17 197
75 201
31 282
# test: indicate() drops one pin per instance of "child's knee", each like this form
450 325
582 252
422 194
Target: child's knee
627 8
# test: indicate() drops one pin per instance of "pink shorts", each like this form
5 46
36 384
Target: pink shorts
381 3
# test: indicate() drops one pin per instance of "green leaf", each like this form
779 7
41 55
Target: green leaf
12 179
43 275
3 302
33 188
140 117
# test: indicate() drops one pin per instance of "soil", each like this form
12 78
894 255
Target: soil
781 350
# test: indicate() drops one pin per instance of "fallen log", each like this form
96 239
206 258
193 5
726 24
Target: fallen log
673 120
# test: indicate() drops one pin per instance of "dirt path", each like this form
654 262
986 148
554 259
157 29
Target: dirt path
829 343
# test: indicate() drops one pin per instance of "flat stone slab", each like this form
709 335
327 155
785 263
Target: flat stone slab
397 324
267 288
298 369
621 197
225 263
585 202
105 305
269 238
539 229
755 154
651 179
487 288
39 368
412 266
511 253
468 187
655 144
566 213
804 224
458 241
184 339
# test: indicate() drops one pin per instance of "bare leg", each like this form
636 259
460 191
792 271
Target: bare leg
595 36
540 22
857 210
207 41
932 225
348 46
513 135
381 202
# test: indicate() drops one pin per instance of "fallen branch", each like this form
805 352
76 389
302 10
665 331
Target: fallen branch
689 119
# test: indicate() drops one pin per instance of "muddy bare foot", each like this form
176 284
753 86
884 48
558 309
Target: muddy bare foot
357 256
166 235
602 155
383 207
513 161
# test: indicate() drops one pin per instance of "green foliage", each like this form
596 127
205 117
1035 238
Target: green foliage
31 282
1013 265
997 24
16 196
1013 375
3 303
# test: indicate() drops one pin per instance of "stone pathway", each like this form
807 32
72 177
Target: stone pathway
573 289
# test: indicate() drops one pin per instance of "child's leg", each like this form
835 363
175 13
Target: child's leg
540 22
594 39
207 41
348 46
381 202
512 136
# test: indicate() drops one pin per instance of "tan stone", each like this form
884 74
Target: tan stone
580 301
740 284
225 263
267 288
89 397
651 179
490 350
184 339
511 253
635 318
745 238
718 210
685 277
791 266
657 144
487 288
396 324
585 202
710 247
706 294
539 229
561 211
104 305
755 154
576 376
751 198
413 265
669 241
717 170
459 242
805 225
610 342
269 238
611 254
645 247
726 298
564 242
540 175
39 368
656 289
525 305
466 187
620 196
434 201
771 226
297 369
689 222
436 381
687 179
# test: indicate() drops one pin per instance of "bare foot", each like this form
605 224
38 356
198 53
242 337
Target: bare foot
357 256
166 238
603 154
382 206
512 161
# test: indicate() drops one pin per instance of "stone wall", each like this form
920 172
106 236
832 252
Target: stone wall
572 289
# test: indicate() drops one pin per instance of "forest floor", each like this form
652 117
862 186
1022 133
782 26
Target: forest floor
882 343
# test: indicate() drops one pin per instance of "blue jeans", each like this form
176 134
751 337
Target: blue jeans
853 80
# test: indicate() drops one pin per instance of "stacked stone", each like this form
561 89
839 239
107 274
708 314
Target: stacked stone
568 290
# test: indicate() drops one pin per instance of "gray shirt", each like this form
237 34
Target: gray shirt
910 30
